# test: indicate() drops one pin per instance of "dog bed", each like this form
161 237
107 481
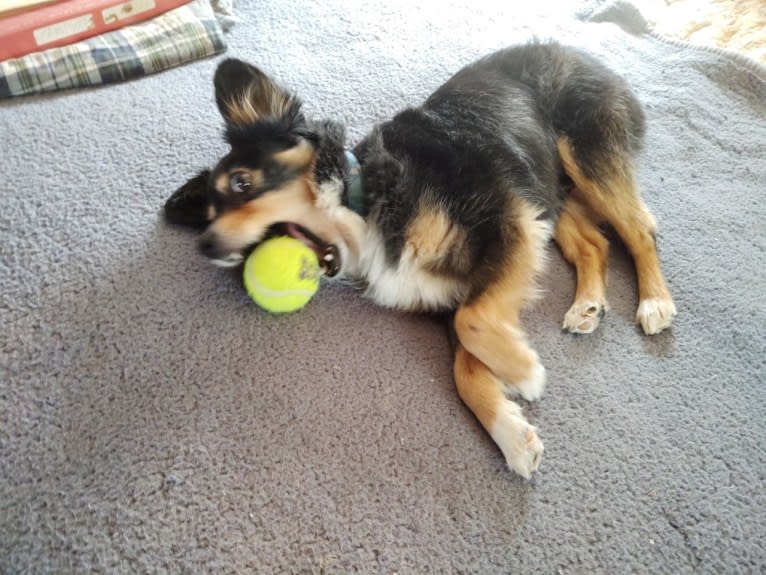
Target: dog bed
179 36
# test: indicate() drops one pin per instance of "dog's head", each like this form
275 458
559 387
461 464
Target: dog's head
267 182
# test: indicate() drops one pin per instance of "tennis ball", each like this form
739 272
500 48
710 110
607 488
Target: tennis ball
282 274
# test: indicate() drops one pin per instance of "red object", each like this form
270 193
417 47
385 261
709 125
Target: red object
67 22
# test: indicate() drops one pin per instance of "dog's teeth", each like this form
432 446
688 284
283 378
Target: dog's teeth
328 257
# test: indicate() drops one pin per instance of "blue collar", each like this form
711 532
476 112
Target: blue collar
354 192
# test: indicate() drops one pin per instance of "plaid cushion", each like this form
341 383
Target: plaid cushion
176 37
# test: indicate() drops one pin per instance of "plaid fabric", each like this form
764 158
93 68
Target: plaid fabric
176 37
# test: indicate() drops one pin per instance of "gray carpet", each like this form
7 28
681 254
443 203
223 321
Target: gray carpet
152 420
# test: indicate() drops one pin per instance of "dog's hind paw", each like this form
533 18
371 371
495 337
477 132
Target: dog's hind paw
655 314
584 316
518 440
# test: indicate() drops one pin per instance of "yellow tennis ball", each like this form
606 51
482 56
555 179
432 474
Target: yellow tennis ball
282 274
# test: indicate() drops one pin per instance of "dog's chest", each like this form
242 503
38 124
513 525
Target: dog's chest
407 284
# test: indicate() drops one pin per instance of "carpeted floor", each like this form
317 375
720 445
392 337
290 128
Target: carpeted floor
152 420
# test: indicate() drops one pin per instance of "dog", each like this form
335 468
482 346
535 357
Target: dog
449 206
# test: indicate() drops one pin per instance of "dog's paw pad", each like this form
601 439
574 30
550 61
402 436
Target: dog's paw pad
584 316
655 314
531 388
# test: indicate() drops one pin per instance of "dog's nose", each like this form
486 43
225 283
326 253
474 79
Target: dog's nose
207 247
218 254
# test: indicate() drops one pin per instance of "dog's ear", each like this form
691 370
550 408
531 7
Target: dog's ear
245 95
190 204
382 171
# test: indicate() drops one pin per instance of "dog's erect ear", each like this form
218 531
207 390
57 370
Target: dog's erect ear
382 171
244 95
190 204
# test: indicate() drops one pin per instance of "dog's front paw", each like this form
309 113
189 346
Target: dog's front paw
655 314
526 459
533 386
584 316
518 440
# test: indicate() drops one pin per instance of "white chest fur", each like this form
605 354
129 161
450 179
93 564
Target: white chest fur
406 284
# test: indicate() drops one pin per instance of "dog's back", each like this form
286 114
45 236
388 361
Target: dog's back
487 138
569 92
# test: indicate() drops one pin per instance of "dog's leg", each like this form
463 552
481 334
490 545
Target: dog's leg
489 326
584 246
616 199
502 418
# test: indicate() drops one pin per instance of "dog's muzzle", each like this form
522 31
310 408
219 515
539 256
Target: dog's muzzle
328 254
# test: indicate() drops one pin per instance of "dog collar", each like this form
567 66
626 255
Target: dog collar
354 192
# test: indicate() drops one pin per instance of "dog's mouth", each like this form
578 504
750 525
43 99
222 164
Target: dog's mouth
327 253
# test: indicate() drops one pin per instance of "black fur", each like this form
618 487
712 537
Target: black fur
489 132
188 206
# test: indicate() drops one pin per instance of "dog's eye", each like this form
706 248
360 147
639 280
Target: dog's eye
239 183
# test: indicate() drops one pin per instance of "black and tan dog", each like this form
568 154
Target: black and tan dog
449 206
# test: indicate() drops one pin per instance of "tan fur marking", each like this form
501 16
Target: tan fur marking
489 327
619 203
299 156
431 235
256 177
222 183
241 110
258 101
477 387
586 248
243 226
